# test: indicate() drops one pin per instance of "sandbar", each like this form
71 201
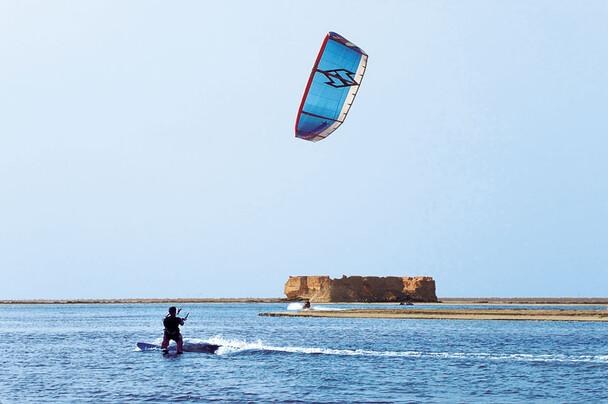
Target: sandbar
455 314
148 300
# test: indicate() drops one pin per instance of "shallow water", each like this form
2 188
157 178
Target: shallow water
86 353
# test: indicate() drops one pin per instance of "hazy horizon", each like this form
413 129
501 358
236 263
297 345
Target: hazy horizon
566 300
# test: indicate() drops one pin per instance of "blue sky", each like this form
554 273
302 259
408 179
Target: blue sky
147 148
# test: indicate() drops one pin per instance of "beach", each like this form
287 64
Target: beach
561 301
454 314
165 300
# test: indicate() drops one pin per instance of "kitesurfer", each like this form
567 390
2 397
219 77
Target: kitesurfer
172 323
306 305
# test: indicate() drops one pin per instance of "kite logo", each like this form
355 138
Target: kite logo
339 78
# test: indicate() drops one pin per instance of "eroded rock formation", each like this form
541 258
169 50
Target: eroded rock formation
323 289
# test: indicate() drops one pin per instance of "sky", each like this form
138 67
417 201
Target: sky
147 148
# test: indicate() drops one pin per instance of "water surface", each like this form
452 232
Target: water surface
86 353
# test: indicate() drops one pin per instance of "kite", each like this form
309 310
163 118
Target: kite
331 88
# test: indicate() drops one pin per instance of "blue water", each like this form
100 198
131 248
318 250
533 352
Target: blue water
86 353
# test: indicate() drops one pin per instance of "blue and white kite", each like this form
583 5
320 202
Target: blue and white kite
331 89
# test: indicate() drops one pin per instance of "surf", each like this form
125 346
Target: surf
227 346
300 306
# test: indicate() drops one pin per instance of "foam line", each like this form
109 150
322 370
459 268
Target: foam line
234 346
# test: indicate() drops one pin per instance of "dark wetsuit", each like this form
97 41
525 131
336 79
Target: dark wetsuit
172 332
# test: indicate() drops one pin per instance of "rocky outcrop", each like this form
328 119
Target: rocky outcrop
323 289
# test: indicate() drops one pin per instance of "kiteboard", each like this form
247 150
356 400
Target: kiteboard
188 347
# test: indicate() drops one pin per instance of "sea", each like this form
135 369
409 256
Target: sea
86 353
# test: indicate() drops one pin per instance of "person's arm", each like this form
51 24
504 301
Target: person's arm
181 321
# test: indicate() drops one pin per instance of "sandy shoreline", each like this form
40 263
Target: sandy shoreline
526 300
147 300
456 314
481 301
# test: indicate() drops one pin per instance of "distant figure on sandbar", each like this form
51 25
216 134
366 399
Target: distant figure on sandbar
172 323
306 305
406 302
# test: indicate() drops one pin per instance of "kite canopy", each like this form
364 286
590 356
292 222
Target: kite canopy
331 89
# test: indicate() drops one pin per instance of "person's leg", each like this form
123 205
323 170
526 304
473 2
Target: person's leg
165 344
180 344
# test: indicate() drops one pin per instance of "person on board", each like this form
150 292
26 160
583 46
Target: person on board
306 305
172 323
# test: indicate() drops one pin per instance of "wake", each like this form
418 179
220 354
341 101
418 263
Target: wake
300 306
236 346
